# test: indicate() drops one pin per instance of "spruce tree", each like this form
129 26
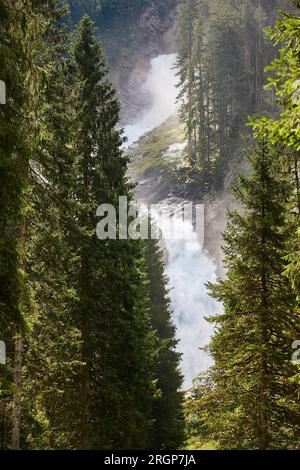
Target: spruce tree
202 98
285 129
77 307
251 400
221 60
118 347
185 71
168 429
228 79
52 361
25 27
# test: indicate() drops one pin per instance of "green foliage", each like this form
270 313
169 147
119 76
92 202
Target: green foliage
127 28
284 79
167 410
285 129
153 149
87 374
27 61
247 400
222 55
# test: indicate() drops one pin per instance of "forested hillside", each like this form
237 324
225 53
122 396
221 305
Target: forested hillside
249 398
84 346
223 52
89 340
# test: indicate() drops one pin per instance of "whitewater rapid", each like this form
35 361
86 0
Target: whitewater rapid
188 268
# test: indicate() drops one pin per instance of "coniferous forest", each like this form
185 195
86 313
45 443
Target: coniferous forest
90 345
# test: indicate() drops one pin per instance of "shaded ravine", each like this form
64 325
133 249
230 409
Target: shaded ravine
188 266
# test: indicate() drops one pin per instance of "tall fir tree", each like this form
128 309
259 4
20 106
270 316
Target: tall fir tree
168 429
221 60
185 71
118 344
24 53
285 128
52 361
252 402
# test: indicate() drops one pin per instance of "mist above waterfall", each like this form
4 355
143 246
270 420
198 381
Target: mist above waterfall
188 267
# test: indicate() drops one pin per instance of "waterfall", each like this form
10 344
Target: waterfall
160 86
188 267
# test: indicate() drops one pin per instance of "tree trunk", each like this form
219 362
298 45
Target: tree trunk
16 402
297 180
16 406
190 90
262 415
84 280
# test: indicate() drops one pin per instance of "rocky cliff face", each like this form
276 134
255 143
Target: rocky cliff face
151 36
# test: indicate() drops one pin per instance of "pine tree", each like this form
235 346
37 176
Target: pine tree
118 346
23 51
185 71
202 96
228 76
285 129
252 402
168 430
52 361
222 55
83 366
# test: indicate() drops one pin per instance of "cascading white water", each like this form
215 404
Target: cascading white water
188 267
188 270
161 87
